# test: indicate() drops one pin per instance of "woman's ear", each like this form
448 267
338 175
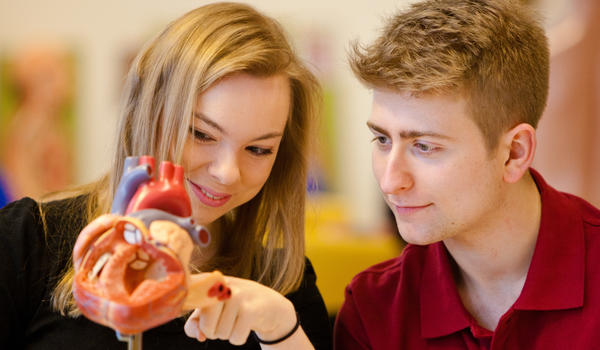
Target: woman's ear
520 142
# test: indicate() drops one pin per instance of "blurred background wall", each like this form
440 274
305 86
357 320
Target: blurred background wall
568 134
102 35
86 46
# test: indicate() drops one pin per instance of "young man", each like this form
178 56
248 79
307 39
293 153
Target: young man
497 258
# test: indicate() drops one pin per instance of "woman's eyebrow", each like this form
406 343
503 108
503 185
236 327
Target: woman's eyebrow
270 135
215 125
209 121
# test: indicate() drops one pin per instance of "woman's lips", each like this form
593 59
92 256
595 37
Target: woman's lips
208 197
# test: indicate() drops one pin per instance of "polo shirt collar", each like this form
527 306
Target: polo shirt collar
442 312
556 275
554 281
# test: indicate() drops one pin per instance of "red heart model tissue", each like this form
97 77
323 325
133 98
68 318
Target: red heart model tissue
132 274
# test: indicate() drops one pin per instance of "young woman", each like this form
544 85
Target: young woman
220 92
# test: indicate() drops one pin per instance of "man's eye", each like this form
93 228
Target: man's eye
259 151
425 148
380 139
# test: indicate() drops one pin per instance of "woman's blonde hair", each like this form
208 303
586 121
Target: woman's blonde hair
264 238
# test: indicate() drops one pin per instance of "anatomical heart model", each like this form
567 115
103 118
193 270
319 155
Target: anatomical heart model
132 275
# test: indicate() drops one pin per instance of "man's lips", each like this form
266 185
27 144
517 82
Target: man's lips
209 197
410 209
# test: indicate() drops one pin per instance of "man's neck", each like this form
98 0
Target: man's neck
492 263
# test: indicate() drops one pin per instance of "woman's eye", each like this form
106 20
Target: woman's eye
259 151
199 135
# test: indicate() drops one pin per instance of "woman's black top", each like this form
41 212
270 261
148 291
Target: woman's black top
32 260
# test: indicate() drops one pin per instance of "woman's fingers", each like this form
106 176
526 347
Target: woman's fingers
252 307
192 327
222 321
227 319
209 319
198 290
241 330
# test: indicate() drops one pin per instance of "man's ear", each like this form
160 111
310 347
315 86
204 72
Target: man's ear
520 143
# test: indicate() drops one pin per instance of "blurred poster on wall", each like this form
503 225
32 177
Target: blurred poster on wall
36 121
569 147
315 49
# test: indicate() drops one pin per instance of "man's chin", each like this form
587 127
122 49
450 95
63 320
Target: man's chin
417 238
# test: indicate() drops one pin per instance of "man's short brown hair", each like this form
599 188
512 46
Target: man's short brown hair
493 52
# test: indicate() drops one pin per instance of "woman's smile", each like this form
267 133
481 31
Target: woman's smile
208 196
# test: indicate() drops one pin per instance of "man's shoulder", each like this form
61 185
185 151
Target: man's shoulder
562 204
589 213
391 273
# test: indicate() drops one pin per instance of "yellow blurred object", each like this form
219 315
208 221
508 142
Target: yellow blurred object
338 252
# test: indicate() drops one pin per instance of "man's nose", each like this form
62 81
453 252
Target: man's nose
396 176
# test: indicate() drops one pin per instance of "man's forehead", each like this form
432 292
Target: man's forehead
440 114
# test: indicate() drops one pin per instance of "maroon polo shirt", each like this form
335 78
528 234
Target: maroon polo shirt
411 302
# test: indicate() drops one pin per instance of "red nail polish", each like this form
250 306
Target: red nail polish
213 291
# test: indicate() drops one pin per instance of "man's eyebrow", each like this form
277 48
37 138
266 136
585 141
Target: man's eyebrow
214 124
408 134
377 129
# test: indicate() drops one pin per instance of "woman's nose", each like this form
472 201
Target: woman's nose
225 168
